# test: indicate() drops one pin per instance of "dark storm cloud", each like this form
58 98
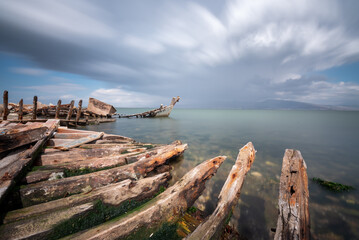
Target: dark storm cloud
217 54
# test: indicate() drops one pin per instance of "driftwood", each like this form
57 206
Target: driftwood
293 219
78 114
71 108
38 221
48 190
100 108
213 226
5 105
22 135
167 207
79 142
14 164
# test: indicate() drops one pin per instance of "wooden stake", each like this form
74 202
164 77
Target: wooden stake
58 109
6 102
78 115
21 103
69 114
293 217
34 108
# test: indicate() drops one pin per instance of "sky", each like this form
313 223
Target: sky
213 54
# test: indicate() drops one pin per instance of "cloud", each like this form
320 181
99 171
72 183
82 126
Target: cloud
29 71
122 98
63 87
222 54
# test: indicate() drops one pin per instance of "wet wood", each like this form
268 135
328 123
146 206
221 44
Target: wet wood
80 141
213 226
5 105
113 194
293 203
71 108
78 114
34 108
20 113
167 207
58 107
48 190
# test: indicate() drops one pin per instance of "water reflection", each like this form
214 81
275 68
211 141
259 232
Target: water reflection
328 140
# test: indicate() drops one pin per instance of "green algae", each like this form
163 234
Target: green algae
332 186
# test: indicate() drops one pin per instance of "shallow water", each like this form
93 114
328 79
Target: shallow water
328 141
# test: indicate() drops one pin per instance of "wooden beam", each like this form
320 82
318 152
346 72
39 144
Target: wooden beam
293 219
44 191
213 226
6 103
165 208
71 108
20 113
58 107
79 142
34 108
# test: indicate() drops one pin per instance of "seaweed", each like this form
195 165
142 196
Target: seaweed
82 171
332 186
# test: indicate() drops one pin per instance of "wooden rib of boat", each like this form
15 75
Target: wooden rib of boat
163 111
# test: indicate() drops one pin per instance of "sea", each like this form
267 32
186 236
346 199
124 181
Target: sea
328 141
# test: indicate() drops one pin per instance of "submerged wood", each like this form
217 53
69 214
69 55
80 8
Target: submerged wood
100 108
25 222
293 218
48 190
213 226
167 207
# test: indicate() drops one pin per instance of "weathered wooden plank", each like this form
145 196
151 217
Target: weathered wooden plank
293 219
167 207
78 114
79 141
100 108
55 142
113 194
40 227
77 154
48 190
10 140
213 226
71 130
13 168
72 135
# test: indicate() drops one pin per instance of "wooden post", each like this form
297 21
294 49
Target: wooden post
69 114
34 108
21 103
6 102
58 109
293 203
78 115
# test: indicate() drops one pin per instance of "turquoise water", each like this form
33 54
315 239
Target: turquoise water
328 141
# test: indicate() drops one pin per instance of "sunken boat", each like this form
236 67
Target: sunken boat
162 111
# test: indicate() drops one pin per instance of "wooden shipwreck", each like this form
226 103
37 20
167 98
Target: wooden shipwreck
57 182
162 111
69 115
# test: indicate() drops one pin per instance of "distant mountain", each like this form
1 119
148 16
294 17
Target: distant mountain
273 104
